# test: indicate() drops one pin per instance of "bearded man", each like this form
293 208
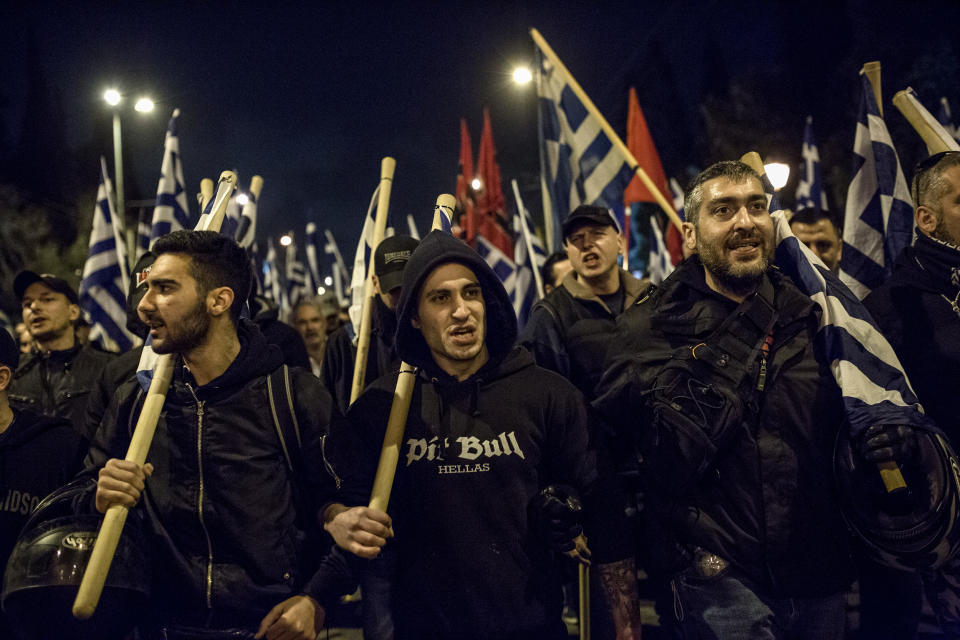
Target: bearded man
734 418
227 509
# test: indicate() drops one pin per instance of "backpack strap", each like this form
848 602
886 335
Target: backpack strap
285 419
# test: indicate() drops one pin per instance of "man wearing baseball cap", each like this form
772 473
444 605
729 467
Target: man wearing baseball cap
389 260
568 332
57 379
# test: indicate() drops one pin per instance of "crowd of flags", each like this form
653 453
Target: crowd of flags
580 164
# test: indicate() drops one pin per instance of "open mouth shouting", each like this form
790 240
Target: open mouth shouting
463 336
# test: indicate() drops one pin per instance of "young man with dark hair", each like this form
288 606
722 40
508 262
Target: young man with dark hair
226 504
57 379
817 229
494 454
554 269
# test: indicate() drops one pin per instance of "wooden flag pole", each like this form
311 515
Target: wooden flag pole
935 144
206 193
95 575
397 422
614 138
387 167
872 71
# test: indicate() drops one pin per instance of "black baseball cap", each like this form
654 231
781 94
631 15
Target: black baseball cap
26 278
9 350
390 258
588 214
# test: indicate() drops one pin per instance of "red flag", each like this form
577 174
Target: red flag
491 205
641 146
464 177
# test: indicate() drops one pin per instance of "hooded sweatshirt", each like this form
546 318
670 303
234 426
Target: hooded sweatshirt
473 455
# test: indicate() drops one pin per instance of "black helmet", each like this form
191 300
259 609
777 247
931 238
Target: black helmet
912 529
48 562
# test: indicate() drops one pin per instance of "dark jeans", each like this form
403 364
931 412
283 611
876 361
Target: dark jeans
728 606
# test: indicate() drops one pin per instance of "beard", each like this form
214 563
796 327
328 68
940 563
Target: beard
737 277
187 334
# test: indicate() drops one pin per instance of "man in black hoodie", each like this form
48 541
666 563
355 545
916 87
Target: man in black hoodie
227 497
37 455
487 432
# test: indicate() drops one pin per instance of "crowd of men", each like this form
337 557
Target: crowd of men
685 429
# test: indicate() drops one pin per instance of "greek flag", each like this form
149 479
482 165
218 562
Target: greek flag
247 229
339 269
660 265
946 120
874 386
103 290
298 281
810 192
313 262
171 212
578 162
878 221
361 260
503 266
525 288
143 232
271 276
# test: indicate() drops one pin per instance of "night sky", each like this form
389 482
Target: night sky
312 96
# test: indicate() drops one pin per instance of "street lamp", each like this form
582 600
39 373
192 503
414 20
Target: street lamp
522 75
113 97
778 174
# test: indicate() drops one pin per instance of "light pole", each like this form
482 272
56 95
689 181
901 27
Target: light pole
113 97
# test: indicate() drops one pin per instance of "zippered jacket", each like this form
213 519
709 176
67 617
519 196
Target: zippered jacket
767 504
221 506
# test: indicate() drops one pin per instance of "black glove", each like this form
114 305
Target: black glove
556 512
888 443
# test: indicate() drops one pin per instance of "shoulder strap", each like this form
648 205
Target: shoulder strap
285 418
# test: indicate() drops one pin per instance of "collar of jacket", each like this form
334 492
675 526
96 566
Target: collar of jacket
633 288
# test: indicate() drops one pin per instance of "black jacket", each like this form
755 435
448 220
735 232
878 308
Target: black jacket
340 355
221 506
570 330
59 383
36 457
924 331
474 454
767 505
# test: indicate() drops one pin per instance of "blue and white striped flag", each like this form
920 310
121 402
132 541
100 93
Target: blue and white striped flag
298 280
271 276
874 386
526 290
313 260
171 212
578 162
878 221
810 191
106 280
660 265
503 266
362 258
338 267
143 232
946 119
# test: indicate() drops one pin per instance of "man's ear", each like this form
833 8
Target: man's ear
376 284
5 376
689 235
219 300
74 312
926 219
415 321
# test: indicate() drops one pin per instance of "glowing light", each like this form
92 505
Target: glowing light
476 184
112 96
144 105
285 240
328 281
321 291
778 174
522 75
243 199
